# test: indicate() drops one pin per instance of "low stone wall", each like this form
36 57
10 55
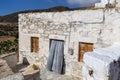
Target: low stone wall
11 59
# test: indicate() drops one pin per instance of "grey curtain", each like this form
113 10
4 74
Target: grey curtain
56 56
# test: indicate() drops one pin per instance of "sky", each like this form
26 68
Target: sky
11 6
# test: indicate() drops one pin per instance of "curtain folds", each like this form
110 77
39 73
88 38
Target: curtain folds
56 56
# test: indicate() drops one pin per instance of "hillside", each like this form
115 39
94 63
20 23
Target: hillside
14 17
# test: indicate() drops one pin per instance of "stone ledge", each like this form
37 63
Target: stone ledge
9 54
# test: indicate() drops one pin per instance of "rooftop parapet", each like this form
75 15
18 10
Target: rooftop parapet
108 4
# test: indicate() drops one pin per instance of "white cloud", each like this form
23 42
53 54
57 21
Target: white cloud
81 2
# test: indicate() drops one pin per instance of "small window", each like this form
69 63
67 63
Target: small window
34 44
83 48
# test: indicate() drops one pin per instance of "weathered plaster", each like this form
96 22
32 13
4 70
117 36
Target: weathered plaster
91 26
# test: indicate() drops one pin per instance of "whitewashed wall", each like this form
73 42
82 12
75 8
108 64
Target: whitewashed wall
102 3
86 26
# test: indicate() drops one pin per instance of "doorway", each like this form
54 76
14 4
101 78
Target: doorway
83 48
55 61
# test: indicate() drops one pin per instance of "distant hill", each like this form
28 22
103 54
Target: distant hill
13 18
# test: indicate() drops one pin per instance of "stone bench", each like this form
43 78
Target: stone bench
30 73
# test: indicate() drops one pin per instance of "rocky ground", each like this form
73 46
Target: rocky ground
28 73
47 75
5 70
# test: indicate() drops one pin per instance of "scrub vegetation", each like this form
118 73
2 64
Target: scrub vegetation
8 38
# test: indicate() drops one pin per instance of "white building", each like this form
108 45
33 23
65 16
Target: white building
77 32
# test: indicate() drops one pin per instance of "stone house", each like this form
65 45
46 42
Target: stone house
79 30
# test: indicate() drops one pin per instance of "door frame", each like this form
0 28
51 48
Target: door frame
55 40
64 64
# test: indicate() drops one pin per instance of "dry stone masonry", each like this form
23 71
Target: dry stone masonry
100 27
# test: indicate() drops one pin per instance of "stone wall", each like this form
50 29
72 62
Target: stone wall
100 27
11 59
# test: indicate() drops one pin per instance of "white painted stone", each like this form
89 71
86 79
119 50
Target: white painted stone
104 2
85 26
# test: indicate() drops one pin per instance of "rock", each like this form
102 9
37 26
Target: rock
30 73
17 76
5 70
